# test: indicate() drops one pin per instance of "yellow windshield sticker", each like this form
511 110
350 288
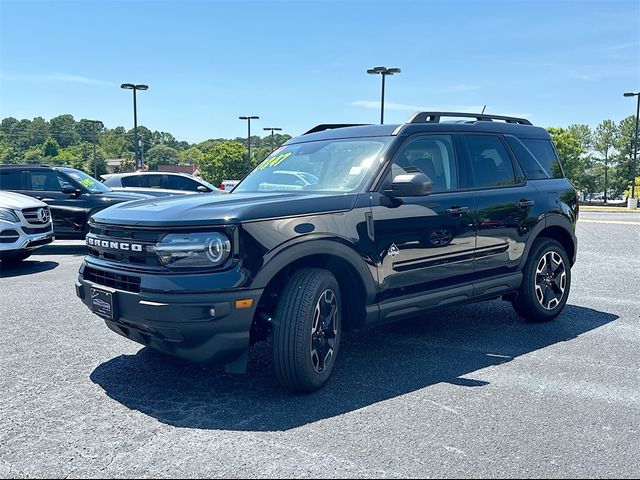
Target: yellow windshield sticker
273 161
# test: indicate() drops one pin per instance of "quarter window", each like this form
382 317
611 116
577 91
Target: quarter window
432 155
490 161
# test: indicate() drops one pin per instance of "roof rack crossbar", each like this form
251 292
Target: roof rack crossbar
434 117
329 126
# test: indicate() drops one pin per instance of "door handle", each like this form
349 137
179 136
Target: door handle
525 203
455 210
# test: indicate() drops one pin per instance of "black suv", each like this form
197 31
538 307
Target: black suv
341 228
72 195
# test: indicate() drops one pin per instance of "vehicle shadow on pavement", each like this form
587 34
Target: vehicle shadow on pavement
26 267
59 248
373 366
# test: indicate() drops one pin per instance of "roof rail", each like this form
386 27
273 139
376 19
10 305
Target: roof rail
25 165
329 126
434 117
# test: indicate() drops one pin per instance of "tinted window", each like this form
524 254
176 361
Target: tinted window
490 161
177 182
544 152
432 155
535 171
46 181
132 181
142 181
11 180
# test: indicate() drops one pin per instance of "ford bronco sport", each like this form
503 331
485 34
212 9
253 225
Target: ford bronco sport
342 228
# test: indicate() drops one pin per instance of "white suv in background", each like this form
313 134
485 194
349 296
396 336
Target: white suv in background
25 224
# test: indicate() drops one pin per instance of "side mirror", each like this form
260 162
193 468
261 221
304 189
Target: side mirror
411 185
202 189
68 189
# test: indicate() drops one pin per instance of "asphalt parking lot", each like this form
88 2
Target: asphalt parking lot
468 392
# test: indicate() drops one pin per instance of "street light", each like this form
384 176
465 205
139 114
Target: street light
384 71
248 119
635 150
273 129
93 131
131 86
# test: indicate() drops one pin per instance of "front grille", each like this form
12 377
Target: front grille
113 280
117 235
32 215
35 230
9 236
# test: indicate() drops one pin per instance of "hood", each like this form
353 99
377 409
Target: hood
17 201
207 209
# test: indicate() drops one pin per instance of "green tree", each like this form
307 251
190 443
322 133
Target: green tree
603 144
191 156
624 145
226 161
584 135
38 131
570 153
84 128
50 147
113 143
6 151
63 129
161 155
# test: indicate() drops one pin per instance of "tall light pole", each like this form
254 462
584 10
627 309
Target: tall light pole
384 71
131 86
273 129
635 148
93 131
248 119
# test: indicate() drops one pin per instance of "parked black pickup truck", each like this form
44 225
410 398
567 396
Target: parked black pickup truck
341 228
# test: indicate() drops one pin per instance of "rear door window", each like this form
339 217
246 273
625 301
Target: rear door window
11 180
490 161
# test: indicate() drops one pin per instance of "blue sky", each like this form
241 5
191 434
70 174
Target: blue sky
297 64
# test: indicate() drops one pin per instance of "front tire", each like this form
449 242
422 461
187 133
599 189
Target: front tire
546 282
306 330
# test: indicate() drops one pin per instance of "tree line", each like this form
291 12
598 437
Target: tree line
65 141
598 160
595 160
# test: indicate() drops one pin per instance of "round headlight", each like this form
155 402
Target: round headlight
193 250
219 248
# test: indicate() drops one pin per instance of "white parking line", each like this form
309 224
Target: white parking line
616 222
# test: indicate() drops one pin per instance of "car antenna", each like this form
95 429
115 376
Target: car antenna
483 108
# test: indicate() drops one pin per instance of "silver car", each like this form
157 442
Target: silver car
25 224
158 184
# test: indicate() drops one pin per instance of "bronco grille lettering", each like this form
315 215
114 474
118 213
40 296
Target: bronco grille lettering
133 247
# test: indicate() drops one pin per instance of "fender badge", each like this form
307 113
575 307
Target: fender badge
393 250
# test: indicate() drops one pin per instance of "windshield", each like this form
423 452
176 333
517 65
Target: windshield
88 182
322 166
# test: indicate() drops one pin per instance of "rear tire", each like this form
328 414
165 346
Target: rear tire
546 282
306 330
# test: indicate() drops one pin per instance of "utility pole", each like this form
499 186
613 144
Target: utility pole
248 118
131 86
273 129
384 71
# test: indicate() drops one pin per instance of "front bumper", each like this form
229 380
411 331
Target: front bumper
182 324
13 238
